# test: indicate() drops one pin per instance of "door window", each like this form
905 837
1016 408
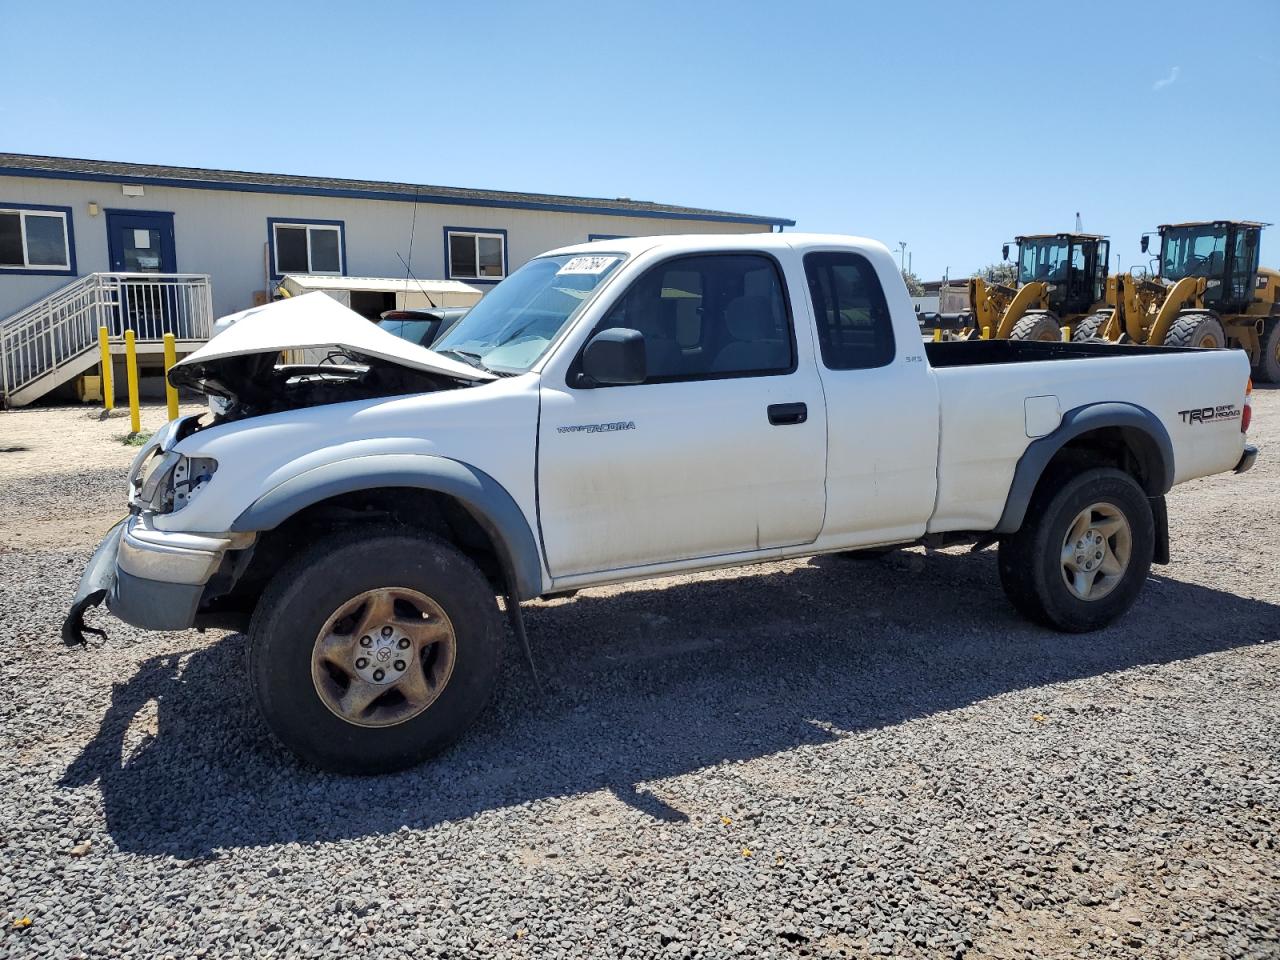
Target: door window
855 331
720 315
141 250
1244 265
1101 261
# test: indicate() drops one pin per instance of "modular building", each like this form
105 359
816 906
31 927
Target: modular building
165 249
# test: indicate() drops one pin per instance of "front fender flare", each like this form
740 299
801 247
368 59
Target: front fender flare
1142 429
482 496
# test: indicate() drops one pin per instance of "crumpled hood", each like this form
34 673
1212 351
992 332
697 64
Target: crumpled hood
314 321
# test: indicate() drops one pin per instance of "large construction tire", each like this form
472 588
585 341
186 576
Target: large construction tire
1090 328
1268 368
1037 326
1196 330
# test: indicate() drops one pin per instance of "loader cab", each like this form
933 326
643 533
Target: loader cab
1074 265
1224 252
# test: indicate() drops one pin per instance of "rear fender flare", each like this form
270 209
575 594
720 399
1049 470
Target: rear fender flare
482 496
1144 433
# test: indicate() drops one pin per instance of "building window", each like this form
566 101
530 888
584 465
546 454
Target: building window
35 239
476 254
307 246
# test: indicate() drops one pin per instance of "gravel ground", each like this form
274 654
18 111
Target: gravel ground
824 758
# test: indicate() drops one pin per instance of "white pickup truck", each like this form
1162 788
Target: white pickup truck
618 410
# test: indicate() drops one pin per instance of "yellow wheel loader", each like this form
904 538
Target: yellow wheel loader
1062 278
1208 291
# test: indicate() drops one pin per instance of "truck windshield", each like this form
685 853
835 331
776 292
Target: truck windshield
514 324
1196 251
1044 259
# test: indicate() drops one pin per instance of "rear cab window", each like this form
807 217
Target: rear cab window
855 330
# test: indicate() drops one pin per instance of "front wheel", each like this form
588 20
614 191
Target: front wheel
371 652
1083 552
1202 330
1037 326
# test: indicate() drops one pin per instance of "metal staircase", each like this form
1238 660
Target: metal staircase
56 338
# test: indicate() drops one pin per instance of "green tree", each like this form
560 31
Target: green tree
914 286
1004 272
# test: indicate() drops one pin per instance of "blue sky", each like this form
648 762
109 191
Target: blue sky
899 121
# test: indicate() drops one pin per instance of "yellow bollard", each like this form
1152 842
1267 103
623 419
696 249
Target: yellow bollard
937 335
131 373
1066 333
170 358
104 358
986 333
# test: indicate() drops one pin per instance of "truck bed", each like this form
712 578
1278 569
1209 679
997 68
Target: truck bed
972 353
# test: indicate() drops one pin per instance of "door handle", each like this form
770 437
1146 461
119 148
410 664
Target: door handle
781 414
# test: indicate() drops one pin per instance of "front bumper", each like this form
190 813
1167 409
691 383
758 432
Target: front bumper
149 578
1247 458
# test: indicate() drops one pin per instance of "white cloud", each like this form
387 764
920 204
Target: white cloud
1167 81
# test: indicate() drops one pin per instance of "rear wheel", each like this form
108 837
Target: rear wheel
1090 328
1196 330
1083 552
1268 368
1036 326
368 655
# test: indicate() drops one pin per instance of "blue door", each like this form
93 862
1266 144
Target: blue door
141 241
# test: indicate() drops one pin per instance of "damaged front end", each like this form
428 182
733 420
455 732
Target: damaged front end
307 351
303 352
138 578
259 384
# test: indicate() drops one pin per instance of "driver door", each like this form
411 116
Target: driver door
708 456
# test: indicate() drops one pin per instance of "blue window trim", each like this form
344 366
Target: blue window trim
448 266
592 237
71 243
357 194
271 242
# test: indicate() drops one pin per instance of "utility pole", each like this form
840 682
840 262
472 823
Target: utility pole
910 261
902 255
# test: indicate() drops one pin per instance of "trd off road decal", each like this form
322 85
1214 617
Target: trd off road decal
598 427
1227 411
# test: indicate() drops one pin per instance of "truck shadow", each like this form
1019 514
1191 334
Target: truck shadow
643 684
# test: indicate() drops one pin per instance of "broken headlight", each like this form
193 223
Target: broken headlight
167 482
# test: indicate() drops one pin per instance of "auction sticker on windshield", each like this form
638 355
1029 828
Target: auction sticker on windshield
587 265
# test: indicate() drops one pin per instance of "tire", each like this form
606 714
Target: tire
1032 567
301 691
1090 328
1196 330
1268 368
1037 326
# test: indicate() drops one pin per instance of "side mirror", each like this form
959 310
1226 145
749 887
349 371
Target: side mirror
1004 251
614 357
1145 243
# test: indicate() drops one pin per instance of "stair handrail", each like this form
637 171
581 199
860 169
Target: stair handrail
64 324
